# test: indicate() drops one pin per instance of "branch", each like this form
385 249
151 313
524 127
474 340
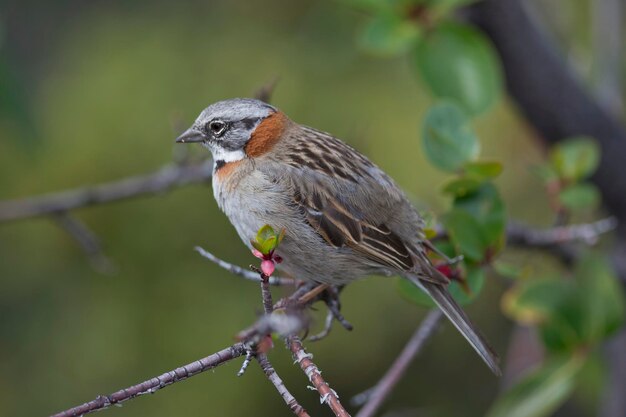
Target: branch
87 240
551 95
558 106
244 273
587 233
155 183
271 374
377 395
154 384
280 323
327 394
559 240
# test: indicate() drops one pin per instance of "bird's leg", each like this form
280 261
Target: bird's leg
331 299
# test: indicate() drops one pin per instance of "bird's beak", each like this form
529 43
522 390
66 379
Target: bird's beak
190 135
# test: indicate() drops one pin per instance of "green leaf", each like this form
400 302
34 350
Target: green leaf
448 140
265 233
552 304
541 392
267 239
281 236
487 208
466 234
534 302
371 6
268 245
577 158
458 62
545 172
507 270
256 245
475 280
483 170
602 298
571 313
579 196
459 187
443 7
388 35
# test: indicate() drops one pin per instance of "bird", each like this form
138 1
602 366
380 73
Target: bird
343 217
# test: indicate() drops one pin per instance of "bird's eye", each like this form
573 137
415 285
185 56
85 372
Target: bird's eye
217 127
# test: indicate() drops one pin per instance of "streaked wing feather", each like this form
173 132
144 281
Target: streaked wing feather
350 202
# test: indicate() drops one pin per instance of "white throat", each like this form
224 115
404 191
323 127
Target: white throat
225 155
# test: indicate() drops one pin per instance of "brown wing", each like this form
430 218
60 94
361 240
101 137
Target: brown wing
350 202
339 227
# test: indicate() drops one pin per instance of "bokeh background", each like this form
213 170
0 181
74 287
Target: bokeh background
95 91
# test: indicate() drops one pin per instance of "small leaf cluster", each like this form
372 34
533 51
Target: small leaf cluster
265 244
454 60
574 313
565 175
458 64
475 223
572 316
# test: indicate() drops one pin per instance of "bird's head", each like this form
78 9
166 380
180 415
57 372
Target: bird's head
236 128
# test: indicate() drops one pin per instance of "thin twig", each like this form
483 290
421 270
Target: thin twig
281 323
162 180
87 240
264 93
244 273
271 374
154 384
327 394
380 392
247 360
266 294
587 233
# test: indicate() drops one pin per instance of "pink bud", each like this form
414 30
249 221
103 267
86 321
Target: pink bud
267 266
257 253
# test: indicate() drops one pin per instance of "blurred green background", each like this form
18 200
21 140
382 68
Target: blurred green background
96 91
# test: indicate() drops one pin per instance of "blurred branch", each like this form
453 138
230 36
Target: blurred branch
375 396
244 273
264 93
607 41
164 179
559 240
87 240
558 105
167 177
587 233
154 384
550 95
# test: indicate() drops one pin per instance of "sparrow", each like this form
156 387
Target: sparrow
344 217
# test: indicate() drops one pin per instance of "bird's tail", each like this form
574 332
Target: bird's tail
460 320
